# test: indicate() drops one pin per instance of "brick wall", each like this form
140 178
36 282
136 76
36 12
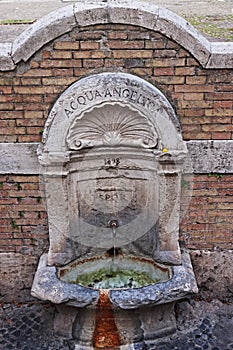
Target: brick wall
202 99
208 222
23 227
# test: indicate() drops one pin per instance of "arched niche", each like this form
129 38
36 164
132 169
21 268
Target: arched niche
102 129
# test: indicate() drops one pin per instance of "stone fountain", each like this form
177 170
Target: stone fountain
112 159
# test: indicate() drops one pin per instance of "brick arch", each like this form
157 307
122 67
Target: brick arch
143 14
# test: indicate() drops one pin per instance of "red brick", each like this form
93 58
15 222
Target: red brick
30 122
223 104
33 114
217 128
64 81
219 96
163 71
93 63
193 96
66 45
37 73
117 35
194 88
61 54
169 62
63 72
185 71
6 106
5 90
11 114
89 45
29 138
119 44
195 104
221 135
169 80
61 63
132 54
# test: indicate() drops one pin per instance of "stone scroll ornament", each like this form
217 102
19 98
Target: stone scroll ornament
109 125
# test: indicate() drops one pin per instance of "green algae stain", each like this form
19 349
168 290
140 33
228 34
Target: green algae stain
218 27
109 278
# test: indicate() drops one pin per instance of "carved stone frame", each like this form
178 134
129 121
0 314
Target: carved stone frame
169 152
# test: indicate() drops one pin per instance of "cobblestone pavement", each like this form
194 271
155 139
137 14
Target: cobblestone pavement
28 327
200 326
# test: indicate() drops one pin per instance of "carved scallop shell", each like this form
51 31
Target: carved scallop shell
111 125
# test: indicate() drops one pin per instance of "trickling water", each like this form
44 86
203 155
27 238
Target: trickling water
113 225
106 334
114 246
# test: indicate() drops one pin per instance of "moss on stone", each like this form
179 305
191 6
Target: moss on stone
219 27
107 278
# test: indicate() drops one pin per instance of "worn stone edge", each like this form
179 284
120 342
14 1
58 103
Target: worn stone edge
63 20
44 30
221 55
181 284
19 158
211 156
6 61
47 286
206 157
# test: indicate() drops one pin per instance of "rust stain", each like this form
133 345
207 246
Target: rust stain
106 334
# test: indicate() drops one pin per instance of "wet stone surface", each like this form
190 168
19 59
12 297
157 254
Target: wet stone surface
200 326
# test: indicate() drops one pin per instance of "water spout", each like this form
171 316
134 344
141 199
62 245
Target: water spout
113 224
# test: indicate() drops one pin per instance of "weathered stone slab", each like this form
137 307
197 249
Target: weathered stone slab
19 158
89 13
221 55
211 156
6 62
44 30
47 286
179 30
138 13
214 273
206 157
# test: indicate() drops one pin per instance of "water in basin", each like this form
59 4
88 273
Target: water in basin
113 273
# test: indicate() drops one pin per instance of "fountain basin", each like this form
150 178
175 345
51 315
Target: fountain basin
48 285
77 305
114 273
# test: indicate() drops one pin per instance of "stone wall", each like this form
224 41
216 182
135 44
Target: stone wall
196 77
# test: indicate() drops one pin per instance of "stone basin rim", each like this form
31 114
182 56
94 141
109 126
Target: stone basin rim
48 287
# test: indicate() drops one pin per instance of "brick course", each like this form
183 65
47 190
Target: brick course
208 221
